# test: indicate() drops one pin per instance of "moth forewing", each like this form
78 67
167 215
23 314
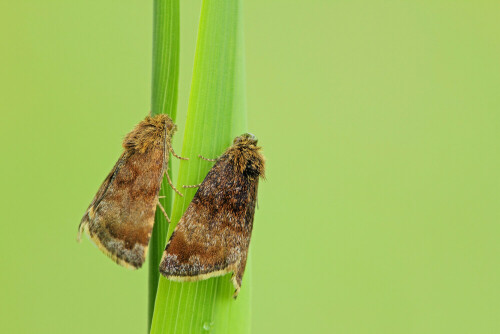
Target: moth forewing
121 216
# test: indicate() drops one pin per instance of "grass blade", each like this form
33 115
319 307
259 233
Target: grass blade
216 113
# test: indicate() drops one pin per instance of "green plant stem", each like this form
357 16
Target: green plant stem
165 78
216 113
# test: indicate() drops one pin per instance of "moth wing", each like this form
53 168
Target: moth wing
213 235
100 194
121 216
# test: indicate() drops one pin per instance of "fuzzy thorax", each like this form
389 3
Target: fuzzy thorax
246 156
151 131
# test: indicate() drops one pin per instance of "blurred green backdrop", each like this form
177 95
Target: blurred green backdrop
380 122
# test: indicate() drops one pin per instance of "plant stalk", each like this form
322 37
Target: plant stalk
164 92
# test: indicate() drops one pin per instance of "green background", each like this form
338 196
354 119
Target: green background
380 122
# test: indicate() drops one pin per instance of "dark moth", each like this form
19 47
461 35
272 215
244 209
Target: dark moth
213 235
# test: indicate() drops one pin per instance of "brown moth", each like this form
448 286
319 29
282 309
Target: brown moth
212 237
121 216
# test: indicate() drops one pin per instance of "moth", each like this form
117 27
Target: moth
120 218
212 237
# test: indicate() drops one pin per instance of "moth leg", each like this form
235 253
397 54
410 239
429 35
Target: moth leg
192 186
162 196
207 159
177 156
172 185
163 210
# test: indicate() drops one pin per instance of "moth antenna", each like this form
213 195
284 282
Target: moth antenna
164 212
162 196
177 156
192 186
207 159
172 185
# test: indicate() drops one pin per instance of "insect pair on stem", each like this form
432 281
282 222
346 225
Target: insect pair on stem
213 235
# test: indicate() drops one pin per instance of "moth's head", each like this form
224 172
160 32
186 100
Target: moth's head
163 120
246 155
246 139
153 130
